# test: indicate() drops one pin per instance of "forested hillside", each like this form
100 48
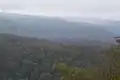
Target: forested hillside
51 28
37 59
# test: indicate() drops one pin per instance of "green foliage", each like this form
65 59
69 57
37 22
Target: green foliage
75 73
28 58
112 64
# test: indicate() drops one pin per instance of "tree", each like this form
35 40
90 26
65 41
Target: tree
112 65
75 73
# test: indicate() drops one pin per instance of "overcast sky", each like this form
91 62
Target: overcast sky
81 8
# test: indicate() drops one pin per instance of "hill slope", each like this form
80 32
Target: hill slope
51 28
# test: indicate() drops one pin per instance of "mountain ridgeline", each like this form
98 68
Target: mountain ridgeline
46 48
19 54
52 28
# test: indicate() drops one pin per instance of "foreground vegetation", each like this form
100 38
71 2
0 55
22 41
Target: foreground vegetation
32 59
109 69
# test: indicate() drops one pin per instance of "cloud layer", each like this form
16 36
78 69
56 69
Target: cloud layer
89 8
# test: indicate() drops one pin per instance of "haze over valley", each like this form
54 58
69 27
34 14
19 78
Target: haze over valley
55 28
59 40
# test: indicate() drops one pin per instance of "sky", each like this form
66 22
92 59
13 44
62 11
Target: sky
61 8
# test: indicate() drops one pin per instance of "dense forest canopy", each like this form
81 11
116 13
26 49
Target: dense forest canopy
39 59
59 40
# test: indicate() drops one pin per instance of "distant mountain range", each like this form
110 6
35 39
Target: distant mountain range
110 25
55 28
